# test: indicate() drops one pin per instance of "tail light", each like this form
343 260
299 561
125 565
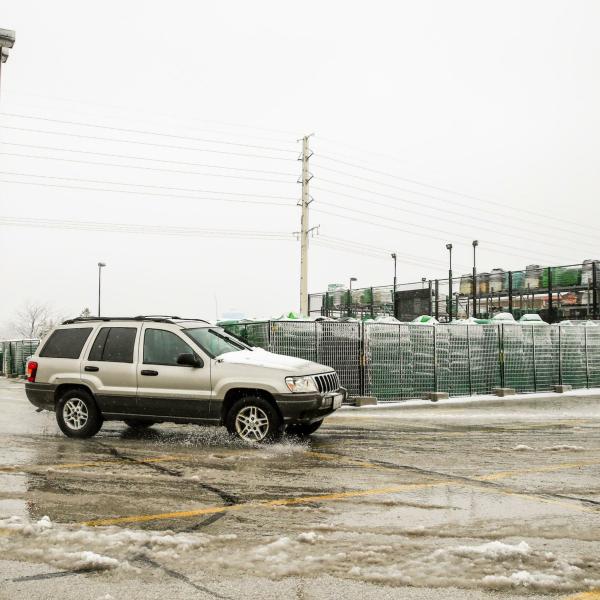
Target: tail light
32 368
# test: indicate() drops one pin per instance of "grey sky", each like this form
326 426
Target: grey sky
496 100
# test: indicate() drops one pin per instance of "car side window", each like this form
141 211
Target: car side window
114 344
66 343
162 347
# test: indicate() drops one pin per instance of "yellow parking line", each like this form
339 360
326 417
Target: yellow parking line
91 463
591 595
264 504
337 496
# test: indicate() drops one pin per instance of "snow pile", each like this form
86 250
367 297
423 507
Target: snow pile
80 548
492 550
494 565
564 448
557 448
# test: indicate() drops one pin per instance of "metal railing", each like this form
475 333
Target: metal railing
555 293
396 361
14 355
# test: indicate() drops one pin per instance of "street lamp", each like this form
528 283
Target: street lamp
449 248
475 244
394 298
350 295
7 40
100 265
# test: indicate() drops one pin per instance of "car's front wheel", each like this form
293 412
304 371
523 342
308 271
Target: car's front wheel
253 419
77 414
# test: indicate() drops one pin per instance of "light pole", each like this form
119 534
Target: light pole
449 248
350 295
100 265
475 244
394 297
7 40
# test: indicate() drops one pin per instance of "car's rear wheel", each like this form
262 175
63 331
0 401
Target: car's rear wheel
303 429
77 414
253 419
138 423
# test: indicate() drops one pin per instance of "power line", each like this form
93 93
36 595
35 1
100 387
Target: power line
142 185
435 208
358 247
438 188
408 231
140 143
170 116
159 160
495 230
143 229
145 132
382 251
139 167
132 192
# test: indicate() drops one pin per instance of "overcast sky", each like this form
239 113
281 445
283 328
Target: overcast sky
497 103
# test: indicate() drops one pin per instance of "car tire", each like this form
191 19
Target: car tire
138 423
77 414
303 429
253 419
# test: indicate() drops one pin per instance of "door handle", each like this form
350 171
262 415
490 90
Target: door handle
91 368
149 372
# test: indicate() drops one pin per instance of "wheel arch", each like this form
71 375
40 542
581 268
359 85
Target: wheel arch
234 394
67 387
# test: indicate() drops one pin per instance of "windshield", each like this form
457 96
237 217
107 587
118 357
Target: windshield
214 341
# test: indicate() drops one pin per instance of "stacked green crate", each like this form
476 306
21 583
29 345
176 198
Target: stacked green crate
517 343
459 335
421 337
386 367
545 365
338 345
478 358
561 276
295 338
593 353
490 358
442 357
572 355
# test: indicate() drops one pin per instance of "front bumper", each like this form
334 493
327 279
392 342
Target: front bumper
307 408
41 395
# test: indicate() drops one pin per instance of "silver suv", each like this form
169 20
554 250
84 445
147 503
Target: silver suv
152 369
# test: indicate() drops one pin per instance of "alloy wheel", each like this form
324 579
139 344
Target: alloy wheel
252 424
75 413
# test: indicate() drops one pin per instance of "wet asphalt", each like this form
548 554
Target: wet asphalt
450 501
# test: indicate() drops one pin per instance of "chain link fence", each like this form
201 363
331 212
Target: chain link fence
397 361
14 355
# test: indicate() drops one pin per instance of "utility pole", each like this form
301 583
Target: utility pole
474 286
304 228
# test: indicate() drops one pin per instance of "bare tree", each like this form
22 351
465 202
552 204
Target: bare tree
34 320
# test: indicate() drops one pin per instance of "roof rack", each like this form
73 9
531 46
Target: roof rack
152 318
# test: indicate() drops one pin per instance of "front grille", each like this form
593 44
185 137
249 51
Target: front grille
328 382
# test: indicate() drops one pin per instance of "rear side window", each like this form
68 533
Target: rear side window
66 343
114 344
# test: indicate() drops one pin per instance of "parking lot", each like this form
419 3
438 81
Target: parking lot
470 500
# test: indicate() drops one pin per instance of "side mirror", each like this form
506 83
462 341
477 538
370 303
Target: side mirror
190 360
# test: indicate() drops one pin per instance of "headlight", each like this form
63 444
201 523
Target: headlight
297 385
